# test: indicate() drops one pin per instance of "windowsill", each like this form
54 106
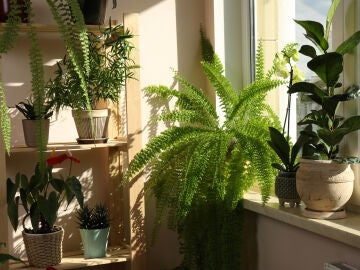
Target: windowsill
346 231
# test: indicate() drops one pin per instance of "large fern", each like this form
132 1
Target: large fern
200 169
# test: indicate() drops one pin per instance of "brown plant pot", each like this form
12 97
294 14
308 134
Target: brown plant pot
44 250
31 131
93 11
324 186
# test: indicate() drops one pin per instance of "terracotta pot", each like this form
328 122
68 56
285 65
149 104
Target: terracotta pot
285 189
324 185
44 250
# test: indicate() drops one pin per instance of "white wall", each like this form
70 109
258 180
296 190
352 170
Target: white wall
284 247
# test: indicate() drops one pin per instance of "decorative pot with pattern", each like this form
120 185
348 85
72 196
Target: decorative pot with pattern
285 189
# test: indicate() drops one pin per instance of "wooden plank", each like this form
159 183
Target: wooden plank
120 144
134 129
75 260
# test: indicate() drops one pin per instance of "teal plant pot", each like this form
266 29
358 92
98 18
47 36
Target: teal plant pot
94 242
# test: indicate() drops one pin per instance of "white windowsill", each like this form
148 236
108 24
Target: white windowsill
346 230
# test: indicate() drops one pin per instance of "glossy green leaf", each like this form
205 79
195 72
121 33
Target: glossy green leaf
280 145
7 257
13 212
348 45
315 33
49 208
328 67
73 188
308 51
352 123
35 216
329 17
309 88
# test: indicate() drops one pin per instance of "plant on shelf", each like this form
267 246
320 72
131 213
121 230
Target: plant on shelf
32 119
329 127
200 169
109 58
285 182
69 18
41 197
94 224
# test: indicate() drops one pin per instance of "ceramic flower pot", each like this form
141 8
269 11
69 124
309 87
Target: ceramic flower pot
31 132
285 189
94 242
324 186
44 250
84 128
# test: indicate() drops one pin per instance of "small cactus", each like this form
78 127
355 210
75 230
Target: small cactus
93 218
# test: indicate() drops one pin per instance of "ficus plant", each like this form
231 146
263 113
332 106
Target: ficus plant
329 127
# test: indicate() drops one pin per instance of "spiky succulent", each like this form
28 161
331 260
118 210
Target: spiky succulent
93 218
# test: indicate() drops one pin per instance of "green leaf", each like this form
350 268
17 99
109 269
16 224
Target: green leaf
73 188
351 124
35 216
332 138
308 51
23 197
280 145
315 33
328 67
309 88
315 118
49 208
348 45
278 167
7 257
11 189
58 184
13 212
330 16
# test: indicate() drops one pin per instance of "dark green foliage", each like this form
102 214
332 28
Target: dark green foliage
41 204
200 168
28 110
93 218
109 58
7 257
331 128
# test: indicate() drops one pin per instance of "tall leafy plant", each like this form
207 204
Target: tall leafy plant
200 169
328 66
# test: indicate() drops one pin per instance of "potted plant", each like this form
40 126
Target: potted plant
110 67
94 224
32 119
41 197
326 184
94 10
5 7
285 182
200 167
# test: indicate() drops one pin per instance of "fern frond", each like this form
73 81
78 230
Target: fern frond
222 86
5 120
259 63
192 98
187 116
163 141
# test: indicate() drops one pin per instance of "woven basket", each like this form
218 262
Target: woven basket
44 249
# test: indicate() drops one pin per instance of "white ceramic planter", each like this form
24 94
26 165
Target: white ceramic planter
324 185
30 131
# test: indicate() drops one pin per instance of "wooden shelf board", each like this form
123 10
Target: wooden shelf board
76 260
120 143
47 28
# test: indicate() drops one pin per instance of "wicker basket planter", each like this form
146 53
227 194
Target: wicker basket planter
44 250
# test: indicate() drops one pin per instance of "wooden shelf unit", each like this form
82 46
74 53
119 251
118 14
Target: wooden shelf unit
130 257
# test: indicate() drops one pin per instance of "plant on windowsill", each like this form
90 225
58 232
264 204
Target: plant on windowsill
41 197
109 58
326 201
200 169
34 122
285 182
94 224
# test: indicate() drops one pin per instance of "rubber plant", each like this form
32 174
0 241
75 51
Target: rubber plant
331 127
200 168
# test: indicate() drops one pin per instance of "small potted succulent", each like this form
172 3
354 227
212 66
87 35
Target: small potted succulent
34 121
41 196
94 224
